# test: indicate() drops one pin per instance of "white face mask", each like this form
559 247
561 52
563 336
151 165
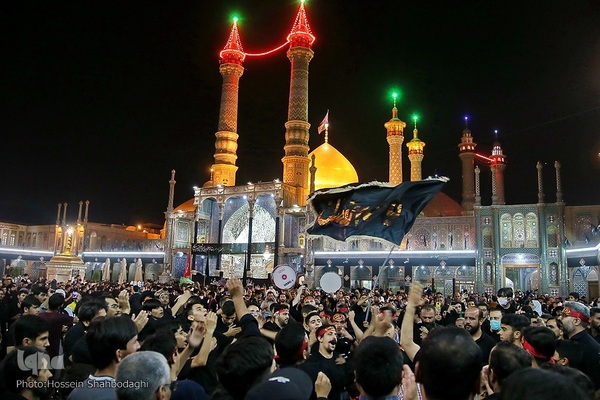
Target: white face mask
502 301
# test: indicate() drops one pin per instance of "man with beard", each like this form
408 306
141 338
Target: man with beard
270 299
473 320
362 312
512 327
281 317
575 317
345 340
339 372
26 383
426 325
165 301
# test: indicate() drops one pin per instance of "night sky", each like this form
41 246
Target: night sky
100 100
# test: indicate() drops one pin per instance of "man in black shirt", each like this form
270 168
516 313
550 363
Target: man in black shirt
473 320
281 317
339 372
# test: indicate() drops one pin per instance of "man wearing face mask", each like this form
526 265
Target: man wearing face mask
495 326
505 299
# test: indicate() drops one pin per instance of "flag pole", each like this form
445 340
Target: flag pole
383 265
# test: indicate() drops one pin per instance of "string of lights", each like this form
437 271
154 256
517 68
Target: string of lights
268 51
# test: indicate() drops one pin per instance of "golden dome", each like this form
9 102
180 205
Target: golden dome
333 169
187 206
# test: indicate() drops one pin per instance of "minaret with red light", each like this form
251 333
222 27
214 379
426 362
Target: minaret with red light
415 154
295 161
231 59
395 138
467 157
497 166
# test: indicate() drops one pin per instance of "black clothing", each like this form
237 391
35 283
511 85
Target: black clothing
206 376
486 343
340 376
360 316
72 336
591 356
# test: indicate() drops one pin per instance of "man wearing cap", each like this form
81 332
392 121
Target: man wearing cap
339 372
289 384
575 318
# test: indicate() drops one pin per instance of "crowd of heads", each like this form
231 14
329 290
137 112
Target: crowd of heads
232 342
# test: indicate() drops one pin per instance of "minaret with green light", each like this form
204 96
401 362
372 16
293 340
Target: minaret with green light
497 166
415 153
467 157
395 138
231 59
295 161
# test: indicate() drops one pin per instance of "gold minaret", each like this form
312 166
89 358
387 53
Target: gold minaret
395 138
231 59
467 157
497 166
415 154
295 161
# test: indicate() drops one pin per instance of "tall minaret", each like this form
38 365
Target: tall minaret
295 161
170 227
415 154
497 166
467 157
231 59
395 137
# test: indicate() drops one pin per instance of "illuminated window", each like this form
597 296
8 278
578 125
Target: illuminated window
531 230
507 232
518 230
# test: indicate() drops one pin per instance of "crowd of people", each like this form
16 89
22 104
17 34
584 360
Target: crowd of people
101 340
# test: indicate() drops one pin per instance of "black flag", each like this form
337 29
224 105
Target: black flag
372 209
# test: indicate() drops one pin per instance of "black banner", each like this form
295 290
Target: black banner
373 209
231 248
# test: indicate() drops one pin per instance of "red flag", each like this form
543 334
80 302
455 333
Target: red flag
188 267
